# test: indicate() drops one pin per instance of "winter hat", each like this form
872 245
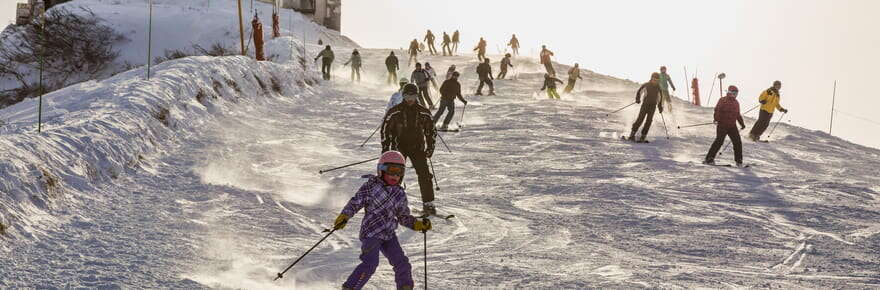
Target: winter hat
732 91
410 92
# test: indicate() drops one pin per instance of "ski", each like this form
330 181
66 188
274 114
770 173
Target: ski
449 130
624 138
420 214
728 165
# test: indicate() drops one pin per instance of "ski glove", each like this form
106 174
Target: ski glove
340 222
783 110
423 225
429 152
660 108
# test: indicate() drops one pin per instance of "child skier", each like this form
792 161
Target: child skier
385 206
550 86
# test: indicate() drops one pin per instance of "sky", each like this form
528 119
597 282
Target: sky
806 44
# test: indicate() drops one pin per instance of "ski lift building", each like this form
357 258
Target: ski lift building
324 12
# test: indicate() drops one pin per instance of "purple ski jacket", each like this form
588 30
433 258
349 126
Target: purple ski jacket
384 206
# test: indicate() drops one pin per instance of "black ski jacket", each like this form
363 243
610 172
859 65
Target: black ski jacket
391 63
409 128
451 89
652 94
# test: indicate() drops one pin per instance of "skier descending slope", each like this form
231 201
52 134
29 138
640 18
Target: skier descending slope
651 103
409 128
421 78
546 55
514 45
665 83
397 97
431 74
574 74
769 103
355 62
727 114
505 63
449 90
450 71
327 57
414 51
429 38
393 65
481 49
550 86
446 44
385 206
484 71
455 41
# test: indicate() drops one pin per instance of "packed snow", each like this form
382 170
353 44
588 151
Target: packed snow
206 176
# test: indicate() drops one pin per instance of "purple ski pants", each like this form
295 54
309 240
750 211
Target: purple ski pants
370 248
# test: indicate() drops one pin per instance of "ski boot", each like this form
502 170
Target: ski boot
444 127
740 164
428 209
753 137
709 162
478 94
642 139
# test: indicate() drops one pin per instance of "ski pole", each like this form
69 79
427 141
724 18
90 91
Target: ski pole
444 143
425 253
461 120
434 174
281 275
664 126
695 125
777 124
621 109
371 136
344 166
752 109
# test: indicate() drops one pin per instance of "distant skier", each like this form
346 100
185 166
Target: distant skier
546 60
574 74
484 72
414 51
455 41
397 97
651 103
446 44
550 86
449 90
409 128
429 38
769 100
450 71
505 63
514 45
481 49
355 62
431 74
393 65
421 78
665 83
727 114
327 57
385 206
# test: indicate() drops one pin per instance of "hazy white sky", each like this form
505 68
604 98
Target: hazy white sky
806 44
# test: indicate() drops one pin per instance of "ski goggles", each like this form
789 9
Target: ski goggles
393 169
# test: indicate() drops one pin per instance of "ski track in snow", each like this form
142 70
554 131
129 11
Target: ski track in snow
545 196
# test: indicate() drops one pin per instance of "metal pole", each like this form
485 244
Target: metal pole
150 40
711 89
241 28
42 51
833 96
687 84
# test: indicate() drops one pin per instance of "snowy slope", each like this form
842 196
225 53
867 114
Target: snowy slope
222 190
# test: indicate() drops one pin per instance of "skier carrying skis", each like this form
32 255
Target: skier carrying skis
421 78
449 90
409 128
546 61
769 100
397 97
445 45
651 103
327 57
414 51
514 44
429 38
550 86
505 63
574 74
727 114
355 62
385 206
481 49
455 41
393 65
665 83
450 71
484 71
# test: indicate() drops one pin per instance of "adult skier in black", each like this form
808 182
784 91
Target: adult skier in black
514 45
429 38
727 114
393 65
446 44
481 49
409 128
355 62
651 103
455 41
422 79
484 72
327 57
505 63
449 90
